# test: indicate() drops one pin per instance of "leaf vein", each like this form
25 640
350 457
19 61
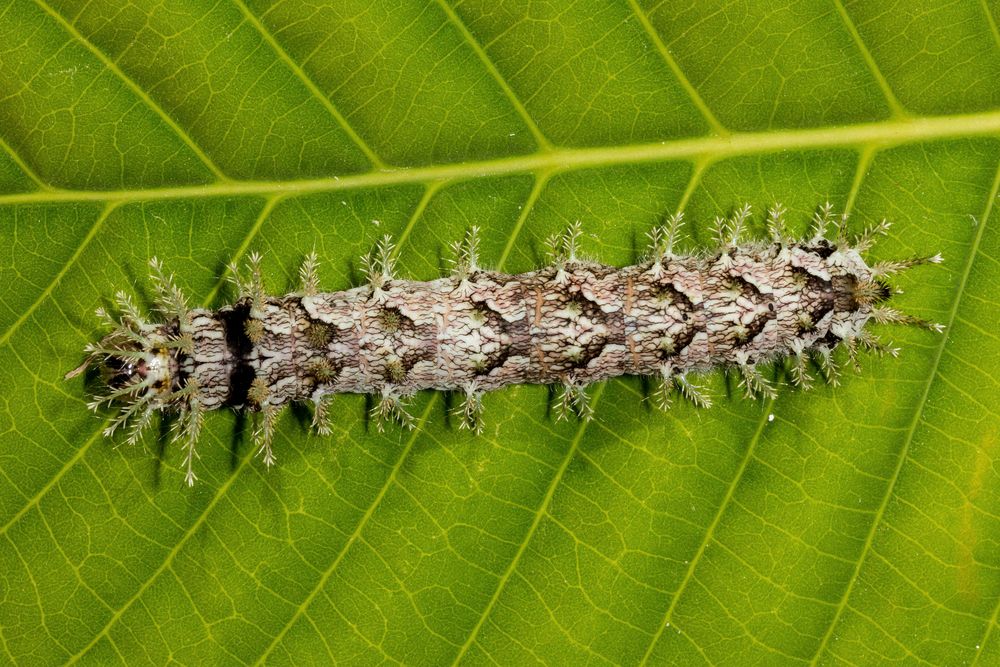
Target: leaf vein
543 143
689 577
675 68
895 106
917 417
136 90
708 148
540 512
307 81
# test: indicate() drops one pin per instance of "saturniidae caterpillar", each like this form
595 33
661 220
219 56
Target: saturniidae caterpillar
742 304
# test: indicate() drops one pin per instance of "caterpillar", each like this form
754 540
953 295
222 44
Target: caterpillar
745 303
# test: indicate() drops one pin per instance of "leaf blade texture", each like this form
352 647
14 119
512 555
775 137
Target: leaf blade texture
852 524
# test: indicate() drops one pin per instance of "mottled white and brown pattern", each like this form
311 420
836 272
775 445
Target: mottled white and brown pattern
572 323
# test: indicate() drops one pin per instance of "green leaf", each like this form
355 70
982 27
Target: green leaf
853 524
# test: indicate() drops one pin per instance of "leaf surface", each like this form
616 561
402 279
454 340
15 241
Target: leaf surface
855 524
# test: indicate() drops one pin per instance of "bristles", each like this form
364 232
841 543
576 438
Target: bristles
692 392
183 342
466 256
574 398
664 387
852 353
188 391
126 414
871 343
251 287
169 298
720 231
471 409
831 371
729 232
800 372
871 293
308 275
322 419
886 315
867 238
821 220
776 223
663 238
842 239
187 429
139 425
754 384
106 318
888 268
379 265
256 286
130 315
564 248
100 349
389 406
668 380
134 386
571 241
264 435
737 225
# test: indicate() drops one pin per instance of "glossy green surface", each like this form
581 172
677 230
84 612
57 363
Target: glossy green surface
847 525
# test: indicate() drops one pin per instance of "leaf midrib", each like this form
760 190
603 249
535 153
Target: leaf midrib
883 134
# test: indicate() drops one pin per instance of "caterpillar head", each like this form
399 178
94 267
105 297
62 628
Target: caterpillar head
861 293
138 364
147 366
870 291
